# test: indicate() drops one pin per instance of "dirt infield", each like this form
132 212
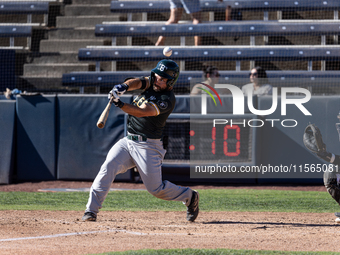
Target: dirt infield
56 232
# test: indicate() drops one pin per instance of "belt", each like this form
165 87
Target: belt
138 138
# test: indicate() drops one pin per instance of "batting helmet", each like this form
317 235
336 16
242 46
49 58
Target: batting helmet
166 68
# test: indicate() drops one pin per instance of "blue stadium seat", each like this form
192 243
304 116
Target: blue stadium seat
211 53
36 7
214 5
22 30
109 79
143 6
13 31
232 28
276 78
29 8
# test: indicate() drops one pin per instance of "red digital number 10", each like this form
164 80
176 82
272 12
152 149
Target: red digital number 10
225 143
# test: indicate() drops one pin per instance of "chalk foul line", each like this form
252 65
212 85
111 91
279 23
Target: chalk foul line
71 234
87 233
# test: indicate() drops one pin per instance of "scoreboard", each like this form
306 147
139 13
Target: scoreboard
206 139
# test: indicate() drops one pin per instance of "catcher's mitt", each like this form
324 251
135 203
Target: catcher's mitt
312 139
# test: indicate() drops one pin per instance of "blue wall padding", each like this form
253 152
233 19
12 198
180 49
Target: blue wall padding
82 145
36 145
7 128
56 137
182 104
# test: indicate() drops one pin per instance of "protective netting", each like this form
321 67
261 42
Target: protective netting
300 40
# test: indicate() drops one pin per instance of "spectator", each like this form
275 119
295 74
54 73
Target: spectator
211 77
259 82
227 12
191 7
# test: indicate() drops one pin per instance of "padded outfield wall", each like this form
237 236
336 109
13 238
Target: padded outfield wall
55 138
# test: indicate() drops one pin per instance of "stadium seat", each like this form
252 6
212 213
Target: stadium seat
36 7
231 29
182 53
13 31
210 53
29 8
186 78
244 28
206 53
19 29
214 5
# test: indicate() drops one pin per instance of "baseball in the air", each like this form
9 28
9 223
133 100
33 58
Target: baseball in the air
167 51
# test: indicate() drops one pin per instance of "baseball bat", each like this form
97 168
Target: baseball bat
103 117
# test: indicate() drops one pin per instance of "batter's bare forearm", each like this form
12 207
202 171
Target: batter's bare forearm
137 83
144 111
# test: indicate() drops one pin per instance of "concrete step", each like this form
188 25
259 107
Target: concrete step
57 58
90 2
84 10
72 33
53 70
69 45
85 21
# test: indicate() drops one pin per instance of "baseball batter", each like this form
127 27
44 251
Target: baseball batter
312 139
143 146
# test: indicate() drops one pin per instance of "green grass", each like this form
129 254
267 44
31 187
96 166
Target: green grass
214 252
210 200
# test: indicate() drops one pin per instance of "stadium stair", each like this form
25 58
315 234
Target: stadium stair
58 53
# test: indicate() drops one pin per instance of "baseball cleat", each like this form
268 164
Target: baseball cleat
337 214
192 209
89 216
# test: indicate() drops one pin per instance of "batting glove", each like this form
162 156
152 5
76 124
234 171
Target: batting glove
120 89
111 94
115 99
